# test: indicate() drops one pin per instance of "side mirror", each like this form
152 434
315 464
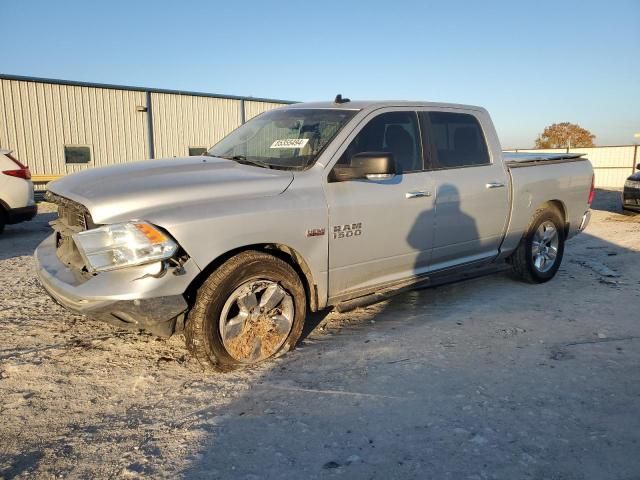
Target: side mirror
638 166
369 165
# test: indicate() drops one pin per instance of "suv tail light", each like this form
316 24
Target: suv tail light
21 172
592 192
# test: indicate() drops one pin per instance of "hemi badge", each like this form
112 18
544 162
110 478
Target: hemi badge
315 232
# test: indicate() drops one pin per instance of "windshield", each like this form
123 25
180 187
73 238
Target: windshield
290 138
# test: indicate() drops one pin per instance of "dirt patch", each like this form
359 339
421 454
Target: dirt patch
626 217
258 339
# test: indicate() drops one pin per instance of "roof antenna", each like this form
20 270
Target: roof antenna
339 99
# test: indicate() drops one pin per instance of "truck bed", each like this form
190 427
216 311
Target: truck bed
564 179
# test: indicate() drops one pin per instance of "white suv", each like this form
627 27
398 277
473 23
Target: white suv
16 191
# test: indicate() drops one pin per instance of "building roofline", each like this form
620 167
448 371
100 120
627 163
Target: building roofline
74 83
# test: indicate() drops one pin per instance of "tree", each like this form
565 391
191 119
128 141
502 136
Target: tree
565 134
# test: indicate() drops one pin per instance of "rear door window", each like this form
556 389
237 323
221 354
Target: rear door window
456 140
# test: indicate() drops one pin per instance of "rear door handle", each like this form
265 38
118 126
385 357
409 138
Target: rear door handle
494 185
417 194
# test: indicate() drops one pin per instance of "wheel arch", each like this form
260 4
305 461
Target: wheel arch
284 252
520 259
562 209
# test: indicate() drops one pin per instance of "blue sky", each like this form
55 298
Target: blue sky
530 64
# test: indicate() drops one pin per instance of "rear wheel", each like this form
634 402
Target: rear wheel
539 255
3 220
250 309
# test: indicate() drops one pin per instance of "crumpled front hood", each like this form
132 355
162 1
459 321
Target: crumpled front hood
124 191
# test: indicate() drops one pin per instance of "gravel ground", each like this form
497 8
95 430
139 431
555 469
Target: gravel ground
489 378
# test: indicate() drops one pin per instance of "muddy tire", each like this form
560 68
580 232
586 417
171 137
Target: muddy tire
539 254
249 309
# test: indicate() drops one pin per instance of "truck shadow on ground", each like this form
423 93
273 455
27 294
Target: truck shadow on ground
413 386
421 384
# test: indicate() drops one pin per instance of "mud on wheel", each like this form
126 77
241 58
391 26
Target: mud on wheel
250 309
539 254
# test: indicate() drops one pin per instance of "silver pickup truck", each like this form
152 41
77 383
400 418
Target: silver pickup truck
304 207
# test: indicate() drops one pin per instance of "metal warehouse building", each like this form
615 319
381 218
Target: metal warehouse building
59 127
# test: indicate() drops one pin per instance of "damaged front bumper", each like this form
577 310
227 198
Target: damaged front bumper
148 297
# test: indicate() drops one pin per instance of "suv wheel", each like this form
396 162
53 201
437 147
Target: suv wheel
538 257
250 309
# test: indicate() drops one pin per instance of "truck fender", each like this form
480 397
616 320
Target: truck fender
288 254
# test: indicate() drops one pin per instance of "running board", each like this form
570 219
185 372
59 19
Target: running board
365 300
422 282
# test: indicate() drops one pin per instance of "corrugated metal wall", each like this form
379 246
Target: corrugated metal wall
252 109
183 121
611 165
39 117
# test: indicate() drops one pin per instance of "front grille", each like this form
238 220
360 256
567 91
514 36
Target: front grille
73 215
72 218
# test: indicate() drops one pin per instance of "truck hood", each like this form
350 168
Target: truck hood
123 191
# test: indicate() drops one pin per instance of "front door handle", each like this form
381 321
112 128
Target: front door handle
417 194
494 185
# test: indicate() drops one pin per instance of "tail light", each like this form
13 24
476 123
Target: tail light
592 192
21 172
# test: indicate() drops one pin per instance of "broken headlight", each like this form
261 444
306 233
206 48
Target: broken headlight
123 245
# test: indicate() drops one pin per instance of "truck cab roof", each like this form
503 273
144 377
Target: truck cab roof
375 104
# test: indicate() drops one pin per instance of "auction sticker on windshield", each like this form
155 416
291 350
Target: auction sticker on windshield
290 143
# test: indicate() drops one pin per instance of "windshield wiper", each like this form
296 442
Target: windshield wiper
245 160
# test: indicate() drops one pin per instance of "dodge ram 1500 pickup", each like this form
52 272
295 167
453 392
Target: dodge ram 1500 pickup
305 207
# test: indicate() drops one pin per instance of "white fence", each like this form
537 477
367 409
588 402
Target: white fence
611 165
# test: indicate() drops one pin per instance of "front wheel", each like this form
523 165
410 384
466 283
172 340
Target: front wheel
539 255
250 309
